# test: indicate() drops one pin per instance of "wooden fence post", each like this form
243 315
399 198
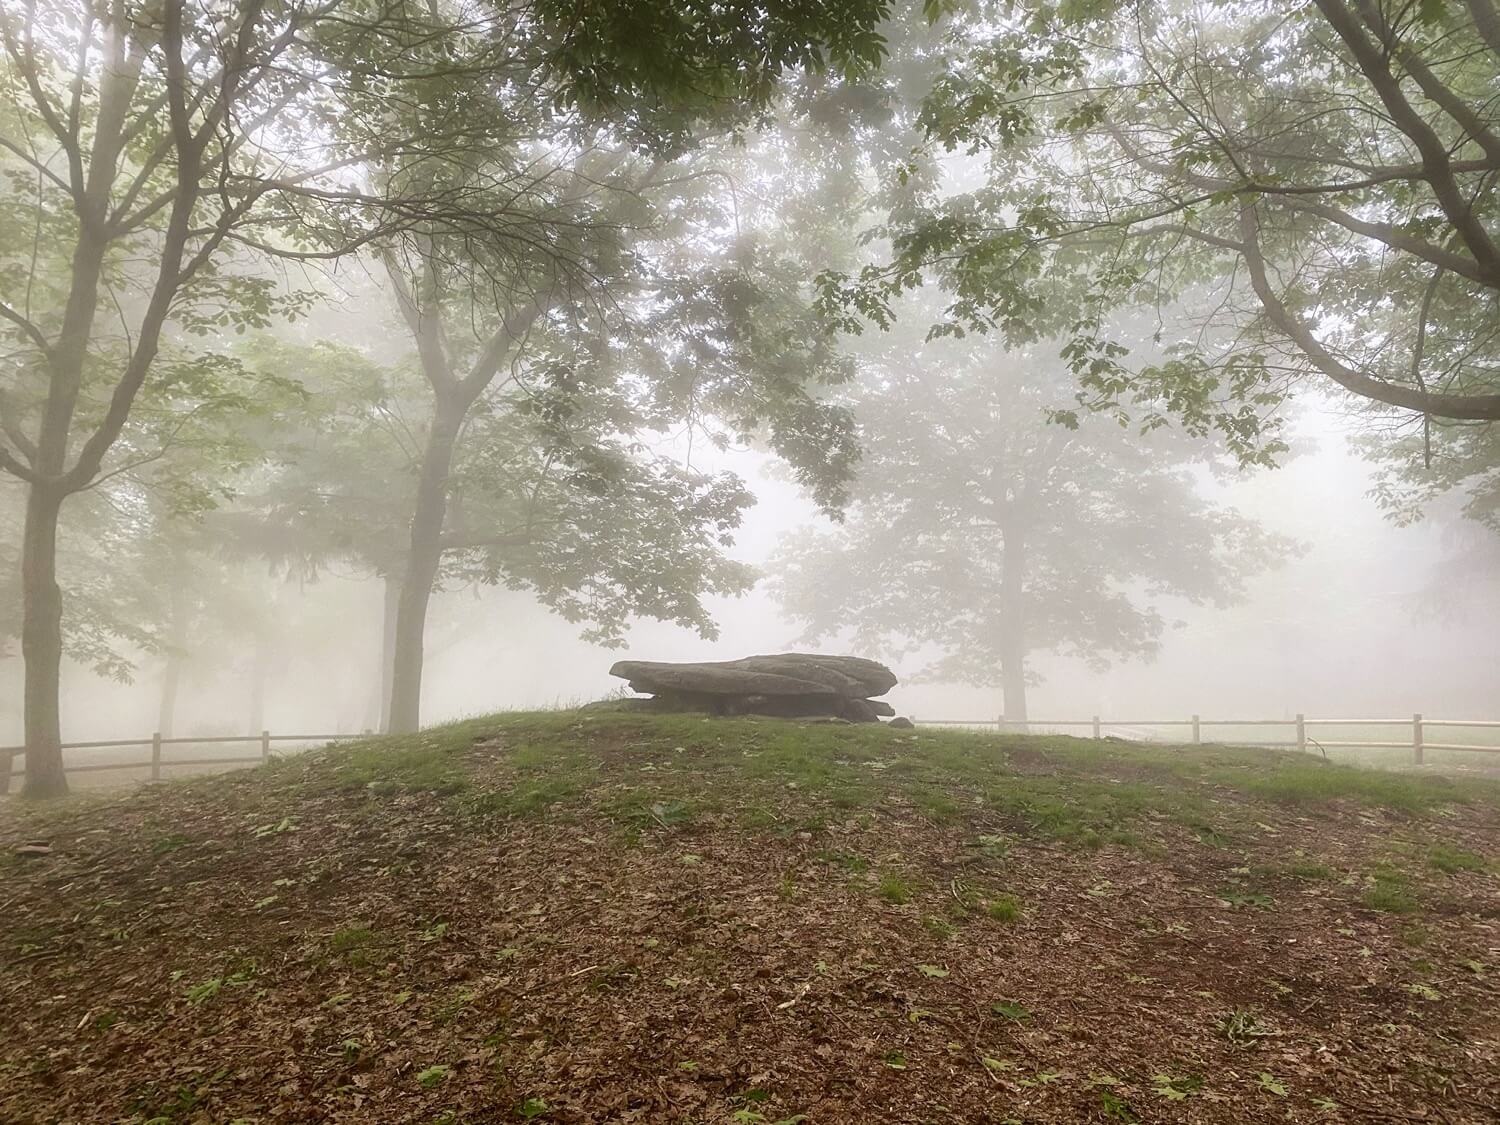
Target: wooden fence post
156 756
1302 732
265 746
1098 733
1197 732
1416 739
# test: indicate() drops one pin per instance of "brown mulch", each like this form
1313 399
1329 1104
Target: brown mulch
245 951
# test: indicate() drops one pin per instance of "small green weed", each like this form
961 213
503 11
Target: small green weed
206 990
1010 1010
357 942
1271 1084
1239 897
1175 1089
1243 1027
851 862
895 889
1115 1107
992 846
1003 908
938 927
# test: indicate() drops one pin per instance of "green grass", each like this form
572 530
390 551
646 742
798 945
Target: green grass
356 942
851 862
1450 860
385 767
1004 908
650 772
1087 811
1302 869
1313 783
895 888
1390 891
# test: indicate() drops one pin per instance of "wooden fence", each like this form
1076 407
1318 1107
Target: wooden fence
1417 727
261 741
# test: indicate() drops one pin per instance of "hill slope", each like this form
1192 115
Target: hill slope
578 917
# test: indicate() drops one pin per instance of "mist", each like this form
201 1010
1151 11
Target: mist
737 562
1353 627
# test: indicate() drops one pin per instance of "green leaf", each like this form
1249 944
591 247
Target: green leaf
1270 1083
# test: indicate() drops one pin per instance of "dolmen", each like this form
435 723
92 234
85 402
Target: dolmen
789 685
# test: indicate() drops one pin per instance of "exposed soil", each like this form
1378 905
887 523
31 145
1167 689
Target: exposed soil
279 947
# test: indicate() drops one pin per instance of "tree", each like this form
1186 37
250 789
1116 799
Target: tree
624 299
977 527
543 494
1324 174
154 150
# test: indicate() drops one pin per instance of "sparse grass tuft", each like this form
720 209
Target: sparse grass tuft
1312 783
938 927
1310 871
526 800
169 844
849 861
1003 908
893 888
384 768
1390 891
357 942
1451 860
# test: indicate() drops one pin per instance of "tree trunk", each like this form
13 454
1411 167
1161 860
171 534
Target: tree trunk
41 644
1013 627
171 678
166 713
423 557
260 671
391 598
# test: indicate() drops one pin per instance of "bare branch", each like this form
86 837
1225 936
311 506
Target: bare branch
1485 407
1435 159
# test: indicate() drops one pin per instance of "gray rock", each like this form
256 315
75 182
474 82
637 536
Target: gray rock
790 673
790 685
901 722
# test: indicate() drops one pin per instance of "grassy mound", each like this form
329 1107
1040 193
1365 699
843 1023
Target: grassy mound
587 917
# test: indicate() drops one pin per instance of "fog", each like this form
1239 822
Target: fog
682 376
1353 627
866 561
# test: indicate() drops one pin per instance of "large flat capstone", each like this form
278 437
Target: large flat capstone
788 684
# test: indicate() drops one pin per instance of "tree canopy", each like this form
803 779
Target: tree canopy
1319 178
159 158
982 533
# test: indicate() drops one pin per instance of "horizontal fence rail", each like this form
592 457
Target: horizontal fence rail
159 760
1414 730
